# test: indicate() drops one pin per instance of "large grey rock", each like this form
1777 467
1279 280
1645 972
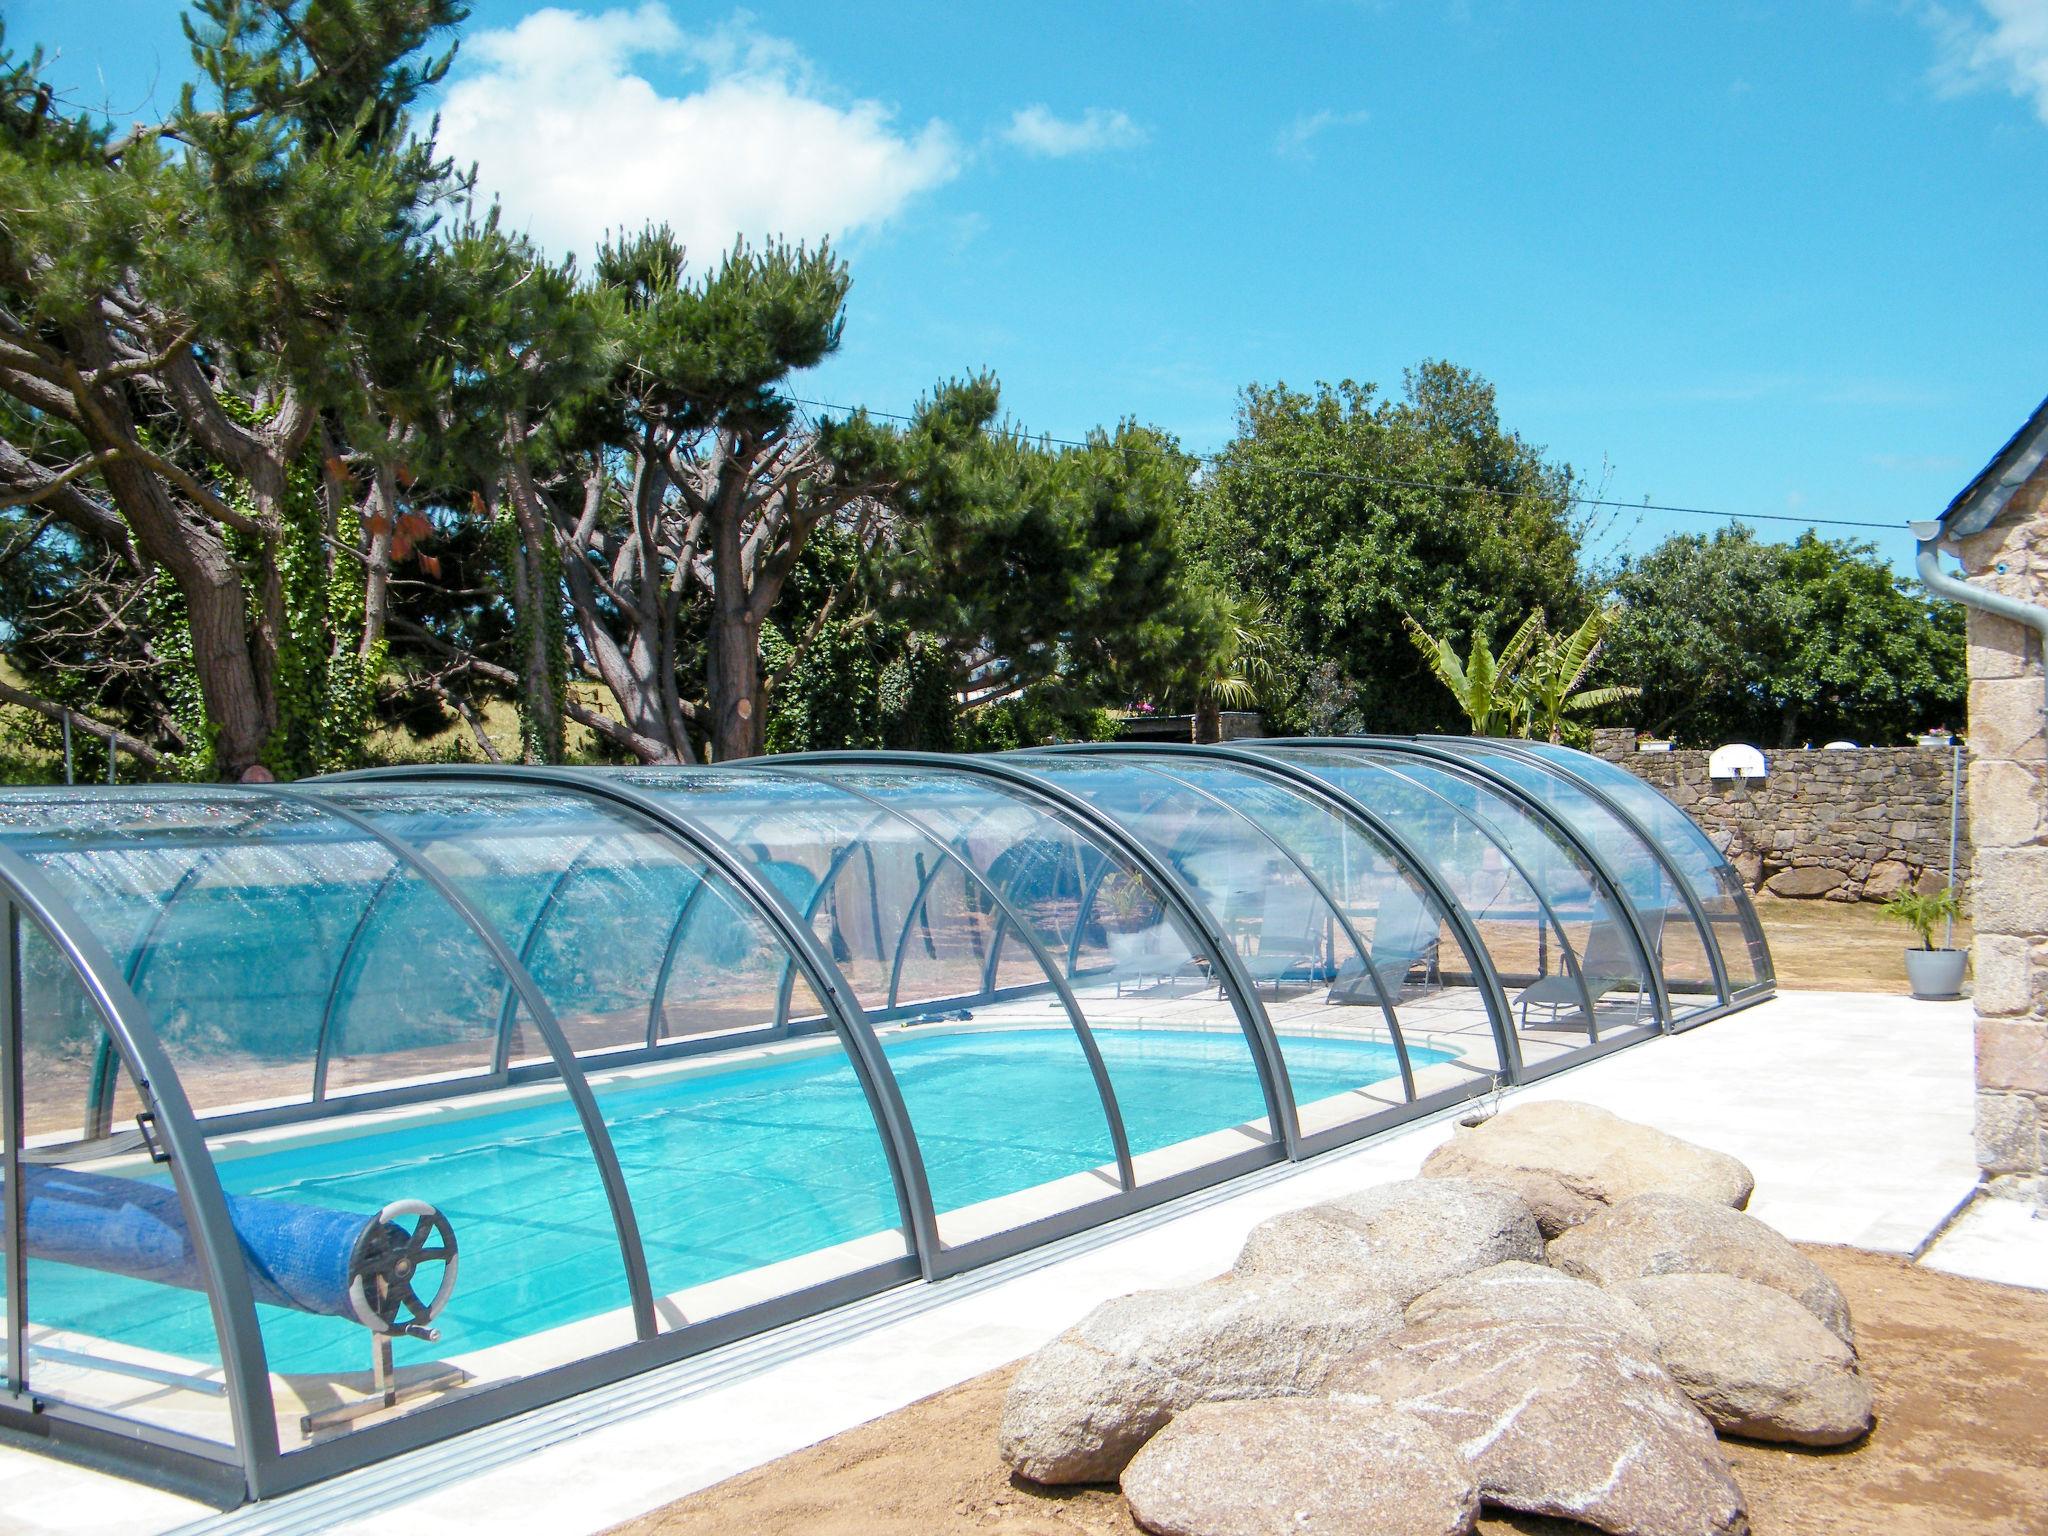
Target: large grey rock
1559 1421
1671 1235
1082 1406
1532 1295
1294 1467
1755 1361
1402 1238
1571 1160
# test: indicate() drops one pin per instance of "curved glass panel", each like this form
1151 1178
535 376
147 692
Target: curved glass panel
1534 903
753 1170
1343 1063
356 983
1009 1119
1678 942
1401 947
1713 880
1174 1047
107 1341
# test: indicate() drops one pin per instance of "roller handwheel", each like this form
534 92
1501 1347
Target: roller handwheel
407 1237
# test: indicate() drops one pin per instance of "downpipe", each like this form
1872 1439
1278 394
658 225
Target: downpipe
1935 580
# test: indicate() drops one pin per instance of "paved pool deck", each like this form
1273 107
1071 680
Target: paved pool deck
1854 1110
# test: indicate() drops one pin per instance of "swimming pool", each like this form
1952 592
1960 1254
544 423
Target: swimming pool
728 1170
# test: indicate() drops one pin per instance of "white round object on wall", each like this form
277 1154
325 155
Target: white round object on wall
1841 746
1737 760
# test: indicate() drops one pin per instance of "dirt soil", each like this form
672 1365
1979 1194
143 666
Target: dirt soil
1840 946
1959 1368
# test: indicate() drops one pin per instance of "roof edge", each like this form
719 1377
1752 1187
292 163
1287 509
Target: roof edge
1978 504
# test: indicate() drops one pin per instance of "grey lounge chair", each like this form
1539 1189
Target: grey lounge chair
1609 964
1406 938
1292 924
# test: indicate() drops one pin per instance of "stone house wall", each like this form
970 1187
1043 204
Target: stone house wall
2009 825
1846 826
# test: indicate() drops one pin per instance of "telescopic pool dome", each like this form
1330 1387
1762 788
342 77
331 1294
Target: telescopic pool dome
676 1055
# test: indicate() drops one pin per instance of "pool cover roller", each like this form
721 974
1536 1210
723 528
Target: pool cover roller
306 1257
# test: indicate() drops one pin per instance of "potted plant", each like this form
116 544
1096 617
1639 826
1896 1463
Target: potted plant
1124 903
1930 972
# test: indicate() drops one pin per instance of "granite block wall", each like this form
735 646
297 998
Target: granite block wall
1843 826
2009 824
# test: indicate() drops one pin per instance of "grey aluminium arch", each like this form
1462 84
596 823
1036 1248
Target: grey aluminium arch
251 1409
871 1069
1120 1143
626 1223
1508 789
1420 747
1238 987
1151 764
1334 797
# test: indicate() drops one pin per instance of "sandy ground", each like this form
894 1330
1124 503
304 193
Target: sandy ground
1840 946
1959 1367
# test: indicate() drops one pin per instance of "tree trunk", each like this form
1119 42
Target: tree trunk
216 608
232 682
378 528
545 740
1208 721
733 666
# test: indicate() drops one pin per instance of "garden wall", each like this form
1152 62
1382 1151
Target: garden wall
1846 826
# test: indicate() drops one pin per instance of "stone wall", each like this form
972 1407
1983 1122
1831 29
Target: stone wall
2009 826
1847 826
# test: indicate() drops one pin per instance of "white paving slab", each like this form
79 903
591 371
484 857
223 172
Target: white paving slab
1854 1110
2002 1240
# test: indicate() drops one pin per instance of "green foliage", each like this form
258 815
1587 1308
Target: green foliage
1321 508
1530 689
1549 685
916 702
1062 570
322 686
538 629
1731 638
1485 687
187 704
1035 718
1920 911
831 698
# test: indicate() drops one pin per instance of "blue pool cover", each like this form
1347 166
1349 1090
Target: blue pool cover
299 1256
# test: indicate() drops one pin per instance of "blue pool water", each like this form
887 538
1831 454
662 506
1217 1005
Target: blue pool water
727 1170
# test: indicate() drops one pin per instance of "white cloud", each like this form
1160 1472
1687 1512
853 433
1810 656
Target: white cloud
573 140
2000 43
1037 131
1297 137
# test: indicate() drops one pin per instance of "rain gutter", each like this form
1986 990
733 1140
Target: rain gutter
1935 580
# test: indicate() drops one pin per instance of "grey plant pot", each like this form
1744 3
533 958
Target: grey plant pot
1936 974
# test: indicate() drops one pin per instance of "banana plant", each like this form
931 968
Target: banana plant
1487 687
1549 688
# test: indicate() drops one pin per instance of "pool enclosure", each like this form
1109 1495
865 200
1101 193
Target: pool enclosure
342 1116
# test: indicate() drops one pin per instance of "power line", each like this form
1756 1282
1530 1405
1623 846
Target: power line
1388 482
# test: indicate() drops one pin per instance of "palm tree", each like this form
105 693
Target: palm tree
1238 669
1486 686
1549 687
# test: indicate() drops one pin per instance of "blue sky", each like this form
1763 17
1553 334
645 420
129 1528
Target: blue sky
1774 259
